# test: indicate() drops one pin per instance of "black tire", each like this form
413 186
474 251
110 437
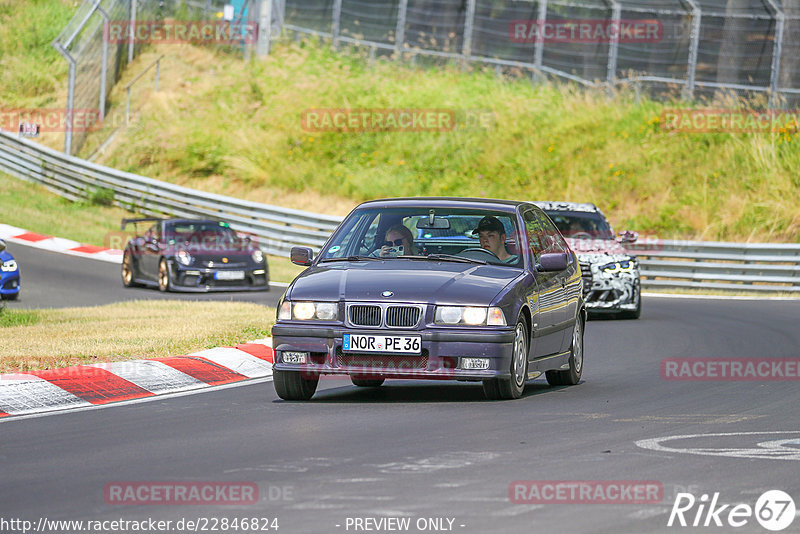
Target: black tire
292 385
128 270
514 386
571 376
13 296
164 276
367 382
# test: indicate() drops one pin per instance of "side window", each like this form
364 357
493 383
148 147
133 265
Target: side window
554 242
535 233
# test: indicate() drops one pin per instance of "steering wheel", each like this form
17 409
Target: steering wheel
480 250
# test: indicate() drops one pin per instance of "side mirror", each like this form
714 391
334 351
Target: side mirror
628 236
2 245
557 261
302 256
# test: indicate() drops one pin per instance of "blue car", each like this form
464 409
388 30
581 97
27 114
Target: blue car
472 290
9 274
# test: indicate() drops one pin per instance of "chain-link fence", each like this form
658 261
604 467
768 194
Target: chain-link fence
692 48
95 63
689 48
105 35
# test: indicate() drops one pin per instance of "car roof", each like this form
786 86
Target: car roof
550 205
444 202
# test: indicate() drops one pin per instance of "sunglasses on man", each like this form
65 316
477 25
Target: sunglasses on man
396 242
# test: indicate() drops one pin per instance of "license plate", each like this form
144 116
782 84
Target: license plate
381 343
229 275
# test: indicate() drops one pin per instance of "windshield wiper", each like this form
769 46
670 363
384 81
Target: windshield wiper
449 257
353 258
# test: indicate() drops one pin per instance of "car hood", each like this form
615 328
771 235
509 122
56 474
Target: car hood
5 256
408 280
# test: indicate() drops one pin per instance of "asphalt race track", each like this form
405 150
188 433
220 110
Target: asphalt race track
55 280
439 450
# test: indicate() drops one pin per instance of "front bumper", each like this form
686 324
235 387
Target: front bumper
613 293
10 283
202 280
440 358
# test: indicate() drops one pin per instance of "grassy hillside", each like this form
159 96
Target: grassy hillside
233 127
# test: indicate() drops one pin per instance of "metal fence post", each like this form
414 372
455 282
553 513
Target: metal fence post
538 51
70 98
336 22
613 46
134 7
469 23
777 49
264 28
104 66
694 46
400 31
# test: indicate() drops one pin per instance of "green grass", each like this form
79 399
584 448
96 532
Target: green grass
9 318
125 331
31 70
218 119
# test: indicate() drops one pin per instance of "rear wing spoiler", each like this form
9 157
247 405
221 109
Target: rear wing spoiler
126 222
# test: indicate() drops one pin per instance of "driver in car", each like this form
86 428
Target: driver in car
492 236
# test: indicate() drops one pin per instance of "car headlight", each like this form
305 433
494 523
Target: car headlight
470 315
624 266
183 257
308 311
9 266
257 256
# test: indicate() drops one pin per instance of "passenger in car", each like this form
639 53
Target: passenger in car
492 236
398 236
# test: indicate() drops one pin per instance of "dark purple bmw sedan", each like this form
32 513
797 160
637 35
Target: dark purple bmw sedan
434 288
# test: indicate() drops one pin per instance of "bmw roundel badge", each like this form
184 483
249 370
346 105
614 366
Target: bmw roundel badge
387 294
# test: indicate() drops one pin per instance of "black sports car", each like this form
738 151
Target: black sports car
193 255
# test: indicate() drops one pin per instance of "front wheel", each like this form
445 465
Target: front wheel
571 376
512 388
292 385
164 277
128 270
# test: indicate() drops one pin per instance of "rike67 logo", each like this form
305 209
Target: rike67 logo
774 510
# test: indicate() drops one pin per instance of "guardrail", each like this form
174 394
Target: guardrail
277 228
713 265
664 263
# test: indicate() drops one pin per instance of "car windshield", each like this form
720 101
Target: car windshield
581 224
443 234
202 233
